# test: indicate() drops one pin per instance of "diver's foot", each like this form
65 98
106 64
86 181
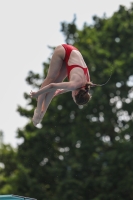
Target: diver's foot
36 117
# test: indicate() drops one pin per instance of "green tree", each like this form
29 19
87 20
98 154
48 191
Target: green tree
83 153
8 165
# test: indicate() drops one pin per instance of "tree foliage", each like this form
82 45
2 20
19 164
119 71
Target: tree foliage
8 166
83 153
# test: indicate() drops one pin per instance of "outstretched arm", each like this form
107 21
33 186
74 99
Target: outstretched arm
60 91
67 86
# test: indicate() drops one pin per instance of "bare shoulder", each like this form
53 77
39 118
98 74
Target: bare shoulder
77 75
76 80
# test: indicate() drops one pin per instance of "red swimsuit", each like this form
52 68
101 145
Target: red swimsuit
68 49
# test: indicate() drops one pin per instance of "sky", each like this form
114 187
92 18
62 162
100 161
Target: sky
27 28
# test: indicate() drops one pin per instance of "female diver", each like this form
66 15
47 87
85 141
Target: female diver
66 61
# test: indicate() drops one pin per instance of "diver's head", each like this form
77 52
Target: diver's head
81 96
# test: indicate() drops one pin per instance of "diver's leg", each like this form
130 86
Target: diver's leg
49 96
45 99
53 72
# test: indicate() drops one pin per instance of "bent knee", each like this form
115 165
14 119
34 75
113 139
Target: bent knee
60 51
